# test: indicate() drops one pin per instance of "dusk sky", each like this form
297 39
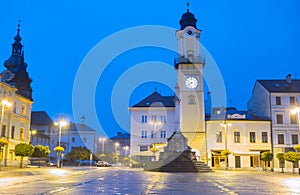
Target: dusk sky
248 40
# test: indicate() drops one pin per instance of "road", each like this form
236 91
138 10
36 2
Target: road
117 180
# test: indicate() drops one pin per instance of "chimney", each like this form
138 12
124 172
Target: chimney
289 79
119 133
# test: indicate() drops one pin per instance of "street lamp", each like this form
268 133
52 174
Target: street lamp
117 144
4 103
61 123
32 132
154 121
226 125
297 111
126 149
103 139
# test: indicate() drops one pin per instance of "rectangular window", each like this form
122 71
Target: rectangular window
295 139
144 134
219 137
144 118
163 119
293 119
264 137
152 134
84 140
3 131
279 118
163 134
252 137
73 139
280 138
15 107
21 133
292 101
12 135
143 148
237 137
278 100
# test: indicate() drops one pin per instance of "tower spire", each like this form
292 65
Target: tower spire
188 6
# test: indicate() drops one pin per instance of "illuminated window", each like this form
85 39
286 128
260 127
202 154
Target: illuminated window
292 101
21 133
293 119
23 109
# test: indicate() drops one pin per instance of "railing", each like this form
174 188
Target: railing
190 60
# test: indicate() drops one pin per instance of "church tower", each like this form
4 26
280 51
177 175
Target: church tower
16 73
189 66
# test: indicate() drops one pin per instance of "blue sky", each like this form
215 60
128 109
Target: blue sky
249 40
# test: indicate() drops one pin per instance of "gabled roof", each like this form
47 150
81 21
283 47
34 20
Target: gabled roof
156 100
281 86
80 127
40 118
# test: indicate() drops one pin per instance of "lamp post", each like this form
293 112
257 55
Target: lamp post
61 123
154 121
32 132
103 139
226 125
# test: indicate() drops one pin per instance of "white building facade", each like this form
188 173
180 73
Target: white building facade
275 99
185 112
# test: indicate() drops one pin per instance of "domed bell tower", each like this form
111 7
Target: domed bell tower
189 66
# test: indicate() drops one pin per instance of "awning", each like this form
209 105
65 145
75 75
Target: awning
144 153
245 153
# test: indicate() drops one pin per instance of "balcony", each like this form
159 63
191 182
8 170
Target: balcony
190 60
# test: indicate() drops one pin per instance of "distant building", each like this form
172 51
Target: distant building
15 90
275 99
79 134
42 130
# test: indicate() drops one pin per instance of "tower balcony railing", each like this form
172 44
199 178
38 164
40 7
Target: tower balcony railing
188 60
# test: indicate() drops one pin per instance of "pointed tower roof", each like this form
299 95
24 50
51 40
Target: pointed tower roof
16 69
188 19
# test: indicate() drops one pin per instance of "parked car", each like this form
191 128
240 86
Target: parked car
103 164
51 164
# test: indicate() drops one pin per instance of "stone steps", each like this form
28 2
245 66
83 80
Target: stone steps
177 164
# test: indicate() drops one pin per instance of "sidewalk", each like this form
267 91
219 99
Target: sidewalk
7 171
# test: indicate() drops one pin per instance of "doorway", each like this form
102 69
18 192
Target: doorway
237 162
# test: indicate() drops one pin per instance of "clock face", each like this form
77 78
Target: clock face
191 82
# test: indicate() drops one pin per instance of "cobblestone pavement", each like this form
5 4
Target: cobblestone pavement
112 180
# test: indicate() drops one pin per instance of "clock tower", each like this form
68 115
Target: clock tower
189 66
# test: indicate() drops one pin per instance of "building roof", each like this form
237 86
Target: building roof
40 118
121 136
156 100
80 127
233 114
281 86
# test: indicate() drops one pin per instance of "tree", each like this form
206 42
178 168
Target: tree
280 157
23 150
297 148
3 143
226 153
266 157
41 151
79 153
292 157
